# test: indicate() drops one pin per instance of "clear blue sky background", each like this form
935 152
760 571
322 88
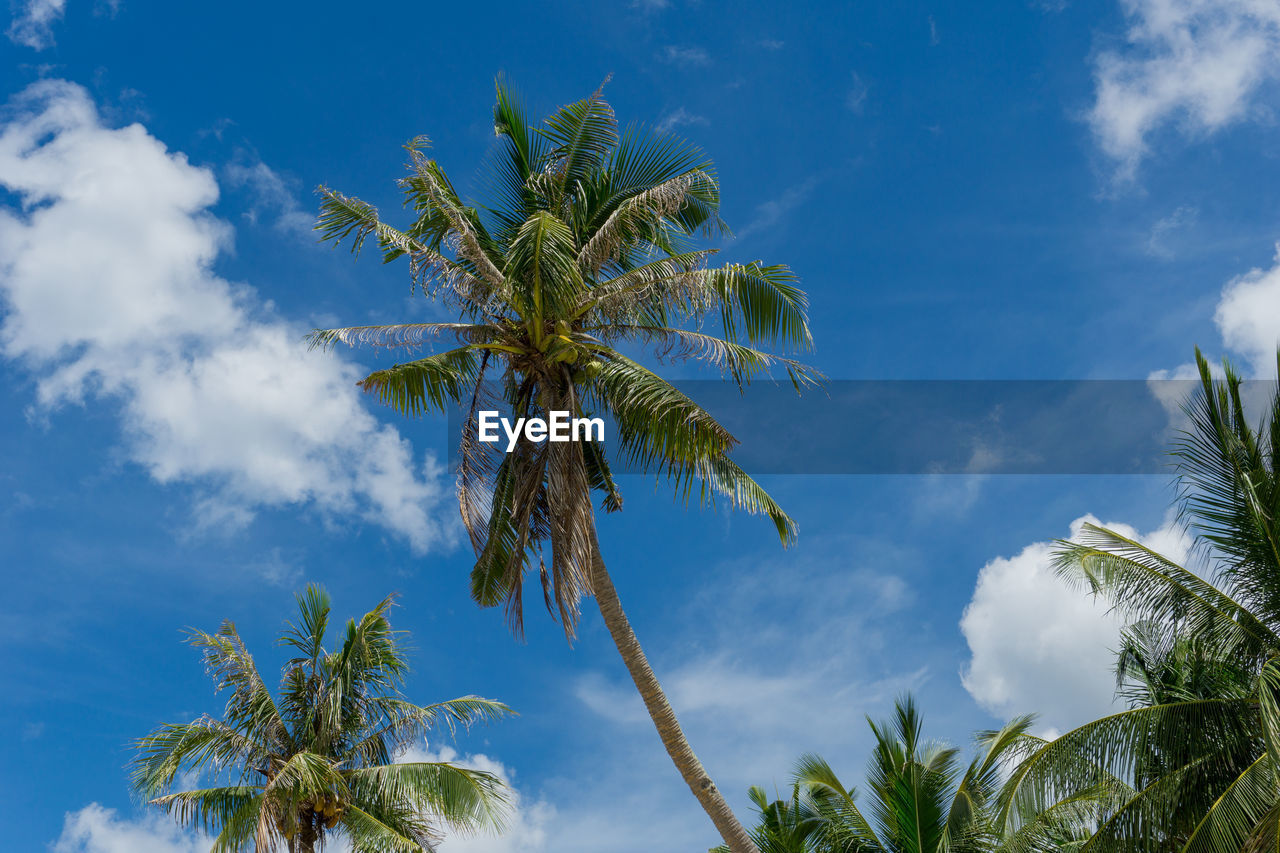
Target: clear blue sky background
959 193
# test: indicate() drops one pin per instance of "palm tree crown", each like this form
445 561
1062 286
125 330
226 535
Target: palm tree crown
319 760
585 244
919 799
1199 745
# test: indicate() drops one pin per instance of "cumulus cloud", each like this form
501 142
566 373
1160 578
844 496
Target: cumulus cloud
1199 63
1248 318
108 294
33 23
1248 315
94 829
1037 644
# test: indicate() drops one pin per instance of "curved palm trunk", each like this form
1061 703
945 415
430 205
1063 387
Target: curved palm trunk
660 711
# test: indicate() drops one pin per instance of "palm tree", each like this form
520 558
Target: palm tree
1199 743
319 760
921 801
784 826
586 244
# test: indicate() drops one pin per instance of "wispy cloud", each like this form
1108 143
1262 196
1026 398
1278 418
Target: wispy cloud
1196 64
771 212
680 117
933 32
856 98
1158 243
685 56
772 44
650 5
735 686
33 23
272 196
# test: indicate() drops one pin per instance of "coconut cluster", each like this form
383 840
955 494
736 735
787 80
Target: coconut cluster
325 811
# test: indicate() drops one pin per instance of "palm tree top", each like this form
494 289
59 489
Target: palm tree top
1198 748
319 757
585 243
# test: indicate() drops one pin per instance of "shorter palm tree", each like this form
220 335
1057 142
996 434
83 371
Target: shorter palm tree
319 761
920 799
785 826
1199 667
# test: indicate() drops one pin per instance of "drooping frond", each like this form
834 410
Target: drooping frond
462 228
741 363
343 217
426 384
1115 745
1145 585
250 708
658 425
402 334
459 797
764 302
639 219
203 745
209 808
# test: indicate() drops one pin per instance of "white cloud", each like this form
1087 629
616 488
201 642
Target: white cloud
272 197
680 117
761 679
32 24
528 822
1196 62
856 98
794 657
770 213
688 57
108 294
1248 318
1039 645
94 829
1158 241
1248 315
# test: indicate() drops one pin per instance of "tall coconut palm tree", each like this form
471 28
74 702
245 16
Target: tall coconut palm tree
318 761
584 245
1200 742
920 800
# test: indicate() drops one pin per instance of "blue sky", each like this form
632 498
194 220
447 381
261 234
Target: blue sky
1057 190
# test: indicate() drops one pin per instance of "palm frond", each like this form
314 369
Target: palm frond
1148 586
462 798
426 384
